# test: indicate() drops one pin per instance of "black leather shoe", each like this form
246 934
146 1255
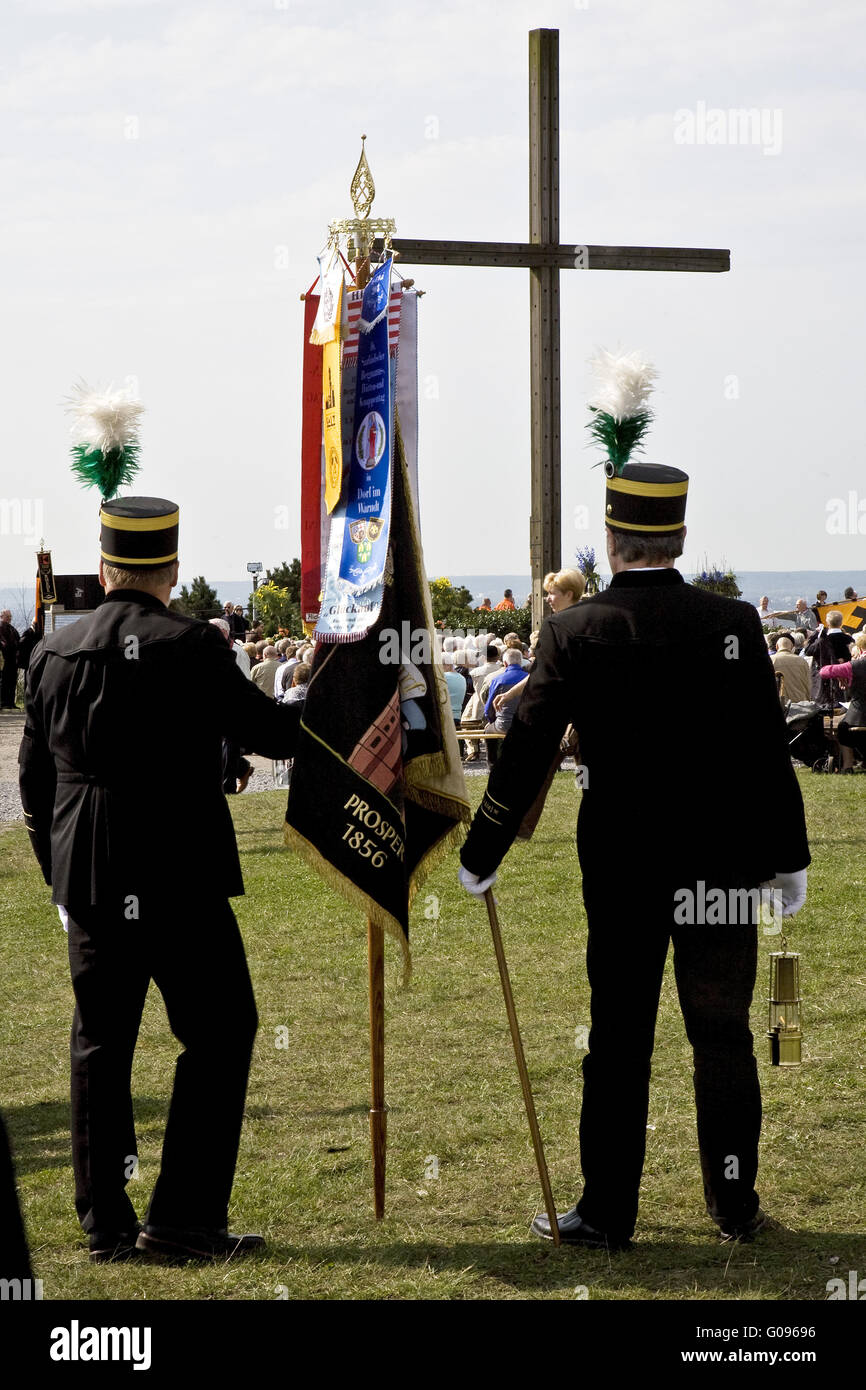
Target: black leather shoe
170 1244
749 1229
573 1230
107 1247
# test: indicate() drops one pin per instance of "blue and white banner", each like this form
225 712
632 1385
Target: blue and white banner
358 545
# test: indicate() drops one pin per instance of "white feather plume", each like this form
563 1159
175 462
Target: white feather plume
104 419
624 383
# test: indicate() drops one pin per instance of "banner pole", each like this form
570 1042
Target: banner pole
528 1101
378 1109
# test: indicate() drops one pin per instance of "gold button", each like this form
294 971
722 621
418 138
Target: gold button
609 509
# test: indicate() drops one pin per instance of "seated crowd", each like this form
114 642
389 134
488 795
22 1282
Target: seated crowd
812 661
279 667
485 693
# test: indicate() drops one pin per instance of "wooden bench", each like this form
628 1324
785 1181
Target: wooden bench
478 735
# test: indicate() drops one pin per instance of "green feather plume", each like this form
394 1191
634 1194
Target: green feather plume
105 445
619 438
108 472
620 414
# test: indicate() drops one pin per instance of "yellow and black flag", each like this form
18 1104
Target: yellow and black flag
377 793
853 614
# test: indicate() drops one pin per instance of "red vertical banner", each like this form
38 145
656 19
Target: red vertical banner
311 471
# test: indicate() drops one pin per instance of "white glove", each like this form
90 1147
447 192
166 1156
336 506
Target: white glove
475 885
64 917
792 890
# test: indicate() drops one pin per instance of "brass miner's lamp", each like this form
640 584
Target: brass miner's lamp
784 1032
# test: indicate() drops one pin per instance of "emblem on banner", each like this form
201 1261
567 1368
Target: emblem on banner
370 440
360 534
335 471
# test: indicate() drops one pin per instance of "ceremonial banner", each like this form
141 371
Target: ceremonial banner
853 614
311 470
377 792
331 406
402 331
326 333
358 543
326 325
407 388
45 577
351 329
368 501
39 610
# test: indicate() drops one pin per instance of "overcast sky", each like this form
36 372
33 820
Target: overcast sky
169 170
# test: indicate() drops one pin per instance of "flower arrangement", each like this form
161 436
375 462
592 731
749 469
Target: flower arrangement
585 557
717 580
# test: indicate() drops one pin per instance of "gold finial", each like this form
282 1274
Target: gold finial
362 189
365 237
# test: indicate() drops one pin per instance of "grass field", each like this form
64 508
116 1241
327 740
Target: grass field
455 1107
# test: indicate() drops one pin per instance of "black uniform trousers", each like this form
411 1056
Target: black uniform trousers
193 951
8 682
715 969
14 1255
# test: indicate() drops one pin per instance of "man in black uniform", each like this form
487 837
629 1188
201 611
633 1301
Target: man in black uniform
9 642
143 863
685 802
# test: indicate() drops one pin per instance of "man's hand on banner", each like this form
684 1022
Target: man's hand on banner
475 885
792 890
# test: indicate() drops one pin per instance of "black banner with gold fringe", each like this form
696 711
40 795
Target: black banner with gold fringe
377 792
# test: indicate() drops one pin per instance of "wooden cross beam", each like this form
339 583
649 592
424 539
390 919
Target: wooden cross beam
545 256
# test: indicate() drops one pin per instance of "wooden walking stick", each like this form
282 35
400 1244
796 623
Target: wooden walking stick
378 1110
521 1065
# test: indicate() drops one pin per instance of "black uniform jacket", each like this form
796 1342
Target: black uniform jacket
686 769
121 760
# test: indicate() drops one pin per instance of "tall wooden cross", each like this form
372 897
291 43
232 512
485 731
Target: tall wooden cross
545 256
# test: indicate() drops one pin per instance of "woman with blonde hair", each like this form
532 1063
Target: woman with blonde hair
563 588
